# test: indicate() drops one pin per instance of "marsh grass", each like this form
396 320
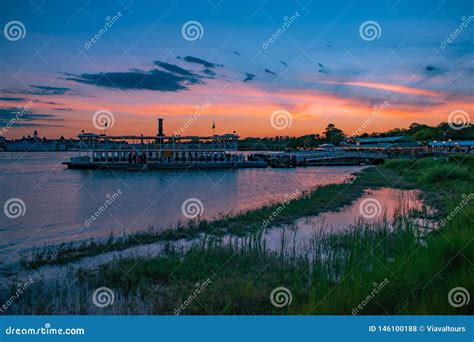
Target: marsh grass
325 198
331 277
334 276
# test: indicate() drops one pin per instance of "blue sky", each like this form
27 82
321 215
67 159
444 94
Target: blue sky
319 69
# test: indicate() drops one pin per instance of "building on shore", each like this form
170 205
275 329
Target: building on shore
453 146
37 144
393 146
383 142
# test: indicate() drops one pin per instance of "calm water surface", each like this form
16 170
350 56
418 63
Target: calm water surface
386 203
300 237
59 201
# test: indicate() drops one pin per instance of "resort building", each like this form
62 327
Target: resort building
461 146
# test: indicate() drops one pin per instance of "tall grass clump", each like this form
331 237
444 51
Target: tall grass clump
325 198
376 268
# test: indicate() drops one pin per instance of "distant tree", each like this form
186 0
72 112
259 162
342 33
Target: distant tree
310 141
333 135
465 133
395 132
426 134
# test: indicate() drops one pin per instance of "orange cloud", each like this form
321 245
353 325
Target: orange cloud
388 87
246 108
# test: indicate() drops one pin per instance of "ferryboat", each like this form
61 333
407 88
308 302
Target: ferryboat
139 152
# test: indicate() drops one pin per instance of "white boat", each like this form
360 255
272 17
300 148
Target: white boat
139 152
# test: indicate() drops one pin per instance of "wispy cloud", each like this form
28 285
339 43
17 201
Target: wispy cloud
174 68
63 109
196 60
27 119
154 79
387 87
13 99
270 72
248 77
47 90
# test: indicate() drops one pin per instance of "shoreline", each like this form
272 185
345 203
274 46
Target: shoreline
416 269
308 203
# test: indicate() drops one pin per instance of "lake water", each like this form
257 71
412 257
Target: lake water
375 208
58 202
300 237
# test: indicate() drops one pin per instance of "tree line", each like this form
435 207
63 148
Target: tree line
335 136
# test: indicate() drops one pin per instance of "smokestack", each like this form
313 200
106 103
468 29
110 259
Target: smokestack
160 127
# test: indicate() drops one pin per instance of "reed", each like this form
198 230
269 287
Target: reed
322 199
334 275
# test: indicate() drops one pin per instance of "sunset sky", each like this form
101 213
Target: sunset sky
319 66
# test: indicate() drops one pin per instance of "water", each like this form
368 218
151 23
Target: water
376 206
299 236
59 201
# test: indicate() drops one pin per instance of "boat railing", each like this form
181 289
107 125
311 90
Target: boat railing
166 160
159 147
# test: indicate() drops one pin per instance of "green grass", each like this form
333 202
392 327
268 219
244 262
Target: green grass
325 198
334 277
420 276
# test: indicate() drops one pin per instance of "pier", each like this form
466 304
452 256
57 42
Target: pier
168 152
326 158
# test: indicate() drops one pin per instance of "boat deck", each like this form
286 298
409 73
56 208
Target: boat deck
164 166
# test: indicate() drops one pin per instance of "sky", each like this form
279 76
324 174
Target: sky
260 68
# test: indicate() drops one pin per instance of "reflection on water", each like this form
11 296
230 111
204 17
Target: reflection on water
298 237
59 201
375 206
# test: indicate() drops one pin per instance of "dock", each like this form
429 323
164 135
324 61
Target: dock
326 158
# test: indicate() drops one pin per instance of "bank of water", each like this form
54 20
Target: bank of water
376 208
